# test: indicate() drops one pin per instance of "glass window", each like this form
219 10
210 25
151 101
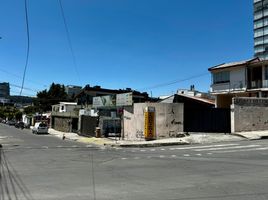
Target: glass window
221 77
266 72
258 32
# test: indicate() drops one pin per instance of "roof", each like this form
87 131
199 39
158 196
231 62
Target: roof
171 98
233 64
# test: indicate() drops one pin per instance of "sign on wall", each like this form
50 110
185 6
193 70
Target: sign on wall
149 123
124 99
104 101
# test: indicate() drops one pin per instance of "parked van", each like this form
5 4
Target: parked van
40 128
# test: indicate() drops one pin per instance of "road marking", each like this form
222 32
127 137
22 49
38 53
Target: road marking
142 150
74 146
243 150
152 150
59 146
207 146
161 156
45 147
198 154
186 155
163 149
88 146
223 148
123 158
173 156
209 153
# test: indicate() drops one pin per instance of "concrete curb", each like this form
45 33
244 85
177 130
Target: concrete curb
147 145
239 135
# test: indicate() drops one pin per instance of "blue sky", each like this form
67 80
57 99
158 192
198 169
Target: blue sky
123 43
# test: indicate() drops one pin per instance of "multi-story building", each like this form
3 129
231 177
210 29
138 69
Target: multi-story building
261 29
72 90
4 90
247 78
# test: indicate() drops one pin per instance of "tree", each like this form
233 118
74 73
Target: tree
55 94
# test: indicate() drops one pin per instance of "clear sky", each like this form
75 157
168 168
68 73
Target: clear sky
123 43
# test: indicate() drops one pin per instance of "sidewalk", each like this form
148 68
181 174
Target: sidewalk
78 138
194 138
253 135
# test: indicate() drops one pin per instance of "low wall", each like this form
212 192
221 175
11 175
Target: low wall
249 114
169 120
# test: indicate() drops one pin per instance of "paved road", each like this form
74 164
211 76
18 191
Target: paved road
45 167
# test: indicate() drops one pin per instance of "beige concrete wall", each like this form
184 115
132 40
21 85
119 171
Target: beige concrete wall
169 120
249 114
225 100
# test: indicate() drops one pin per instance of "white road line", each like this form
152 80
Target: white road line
223 148
198 154
173 156
123 158
59 146
161 156
152 150
89 146
199 147
243 150
209 153
163 149
186 155
45 147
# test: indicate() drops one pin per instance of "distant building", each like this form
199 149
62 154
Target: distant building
261 29
4 90
85 97
72 90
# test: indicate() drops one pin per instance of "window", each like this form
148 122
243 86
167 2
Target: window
221 77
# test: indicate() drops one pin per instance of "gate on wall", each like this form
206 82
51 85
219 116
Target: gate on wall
214 120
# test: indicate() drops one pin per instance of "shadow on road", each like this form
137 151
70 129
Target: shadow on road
11 185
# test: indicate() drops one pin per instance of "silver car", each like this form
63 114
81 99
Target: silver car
40 128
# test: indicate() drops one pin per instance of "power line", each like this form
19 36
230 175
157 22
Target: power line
69 40
15 75
24 88
173 82
28 45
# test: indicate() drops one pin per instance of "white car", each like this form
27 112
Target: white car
40 128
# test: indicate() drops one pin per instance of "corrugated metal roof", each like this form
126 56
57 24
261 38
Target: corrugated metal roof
232 64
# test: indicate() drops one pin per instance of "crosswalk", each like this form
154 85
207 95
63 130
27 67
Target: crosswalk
195 151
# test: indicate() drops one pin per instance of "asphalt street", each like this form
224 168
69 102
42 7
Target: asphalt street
46 167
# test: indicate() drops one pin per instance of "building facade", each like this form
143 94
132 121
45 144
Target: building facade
261 29
247 78
72 90
4 90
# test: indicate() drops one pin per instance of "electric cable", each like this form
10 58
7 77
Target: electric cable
173 82
19 77
28 44
69 40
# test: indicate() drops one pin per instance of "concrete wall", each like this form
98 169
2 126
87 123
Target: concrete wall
169 120
249 114
225 100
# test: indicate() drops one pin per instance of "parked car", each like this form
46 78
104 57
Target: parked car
11 122
20 125
40 128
